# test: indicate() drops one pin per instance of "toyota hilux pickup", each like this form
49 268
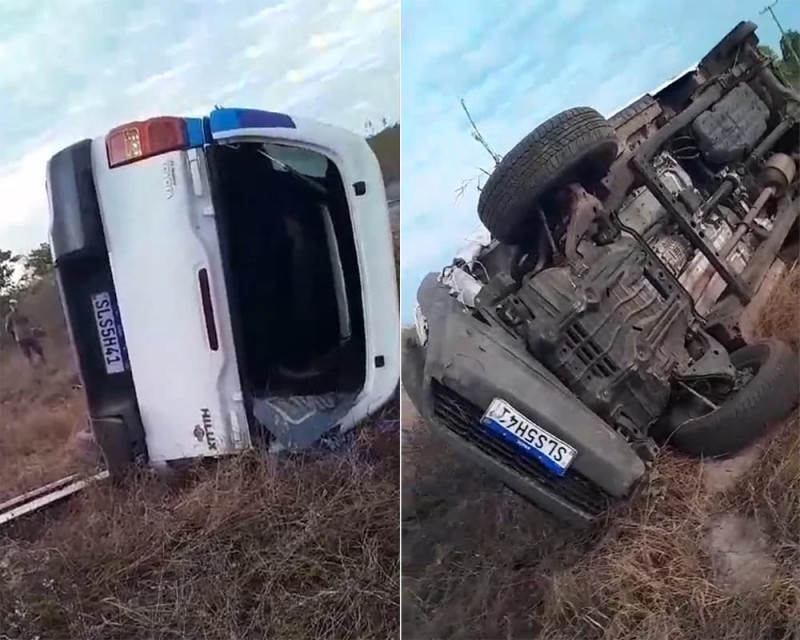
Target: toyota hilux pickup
605 312
228 282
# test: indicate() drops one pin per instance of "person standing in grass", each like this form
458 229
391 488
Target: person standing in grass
18 325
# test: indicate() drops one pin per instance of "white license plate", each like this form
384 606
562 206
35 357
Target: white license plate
508 423
110 339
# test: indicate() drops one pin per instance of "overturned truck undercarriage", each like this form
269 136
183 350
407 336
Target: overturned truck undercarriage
609 313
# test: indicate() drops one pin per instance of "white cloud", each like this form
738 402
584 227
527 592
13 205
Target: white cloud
84 66
571 8
152 83
23 194
279 13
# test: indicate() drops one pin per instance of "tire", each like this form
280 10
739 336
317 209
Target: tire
769 396
570 144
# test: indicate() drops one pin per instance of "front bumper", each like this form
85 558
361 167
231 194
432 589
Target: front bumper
465 365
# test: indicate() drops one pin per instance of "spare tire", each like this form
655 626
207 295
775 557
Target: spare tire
571 145
768 396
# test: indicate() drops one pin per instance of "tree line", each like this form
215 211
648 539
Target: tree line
786 63
20 272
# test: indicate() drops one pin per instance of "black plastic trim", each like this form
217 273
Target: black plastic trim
208 309
82 270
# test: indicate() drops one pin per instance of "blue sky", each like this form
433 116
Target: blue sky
75 68
517 62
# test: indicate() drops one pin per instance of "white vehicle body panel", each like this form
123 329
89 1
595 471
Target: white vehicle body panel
160 230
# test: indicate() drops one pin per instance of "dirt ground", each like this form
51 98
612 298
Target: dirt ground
710 550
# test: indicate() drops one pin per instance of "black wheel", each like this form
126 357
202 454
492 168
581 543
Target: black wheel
765 391
574 144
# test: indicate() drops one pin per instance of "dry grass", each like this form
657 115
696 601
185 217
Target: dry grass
37 446
781 317
248 548
652 576
252 548
479 562
771 490
40 408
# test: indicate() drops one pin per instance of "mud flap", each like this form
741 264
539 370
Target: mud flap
121 442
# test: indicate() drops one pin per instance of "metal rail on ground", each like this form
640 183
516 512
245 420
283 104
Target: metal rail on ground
46 496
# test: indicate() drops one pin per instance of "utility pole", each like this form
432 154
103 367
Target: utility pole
789 45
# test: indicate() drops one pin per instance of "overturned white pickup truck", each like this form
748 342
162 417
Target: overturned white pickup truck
606 314
228 281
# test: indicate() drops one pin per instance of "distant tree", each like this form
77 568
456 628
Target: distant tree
785 62
790 50
15 281
8 262
769 52
10 287
39 261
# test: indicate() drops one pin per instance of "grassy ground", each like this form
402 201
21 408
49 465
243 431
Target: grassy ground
41 409
248 548
692 558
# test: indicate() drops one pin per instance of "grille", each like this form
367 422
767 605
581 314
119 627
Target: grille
463 418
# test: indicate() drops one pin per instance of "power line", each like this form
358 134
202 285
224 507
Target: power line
784 37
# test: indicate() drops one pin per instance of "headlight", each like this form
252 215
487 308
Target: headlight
421 325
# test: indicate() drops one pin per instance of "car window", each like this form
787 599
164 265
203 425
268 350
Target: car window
309 163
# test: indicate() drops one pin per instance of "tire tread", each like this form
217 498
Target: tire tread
537 162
